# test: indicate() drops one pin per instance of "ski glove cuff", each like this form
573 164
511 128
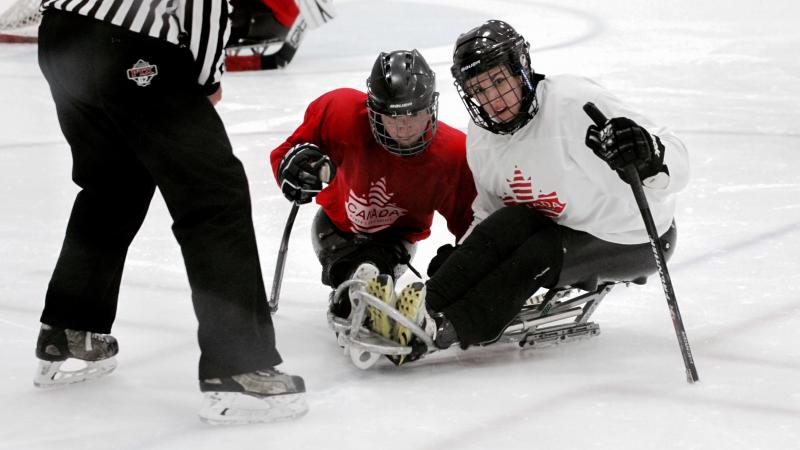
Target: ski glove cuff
442 254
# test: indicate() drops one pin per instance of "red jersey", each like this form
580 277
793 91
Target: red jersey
284 11
375 190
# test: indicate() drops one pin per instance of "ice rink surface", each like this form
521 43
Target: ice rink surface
724 75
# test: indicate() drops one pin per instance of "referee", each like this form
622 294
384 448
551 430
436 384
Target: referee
135 83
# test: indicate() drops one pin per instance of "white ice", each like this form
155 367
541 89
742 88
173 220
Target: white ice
725 75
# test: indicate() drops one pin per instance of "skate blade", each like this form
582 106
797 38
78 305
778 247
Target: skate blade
52 374
233 408
558 335
254 45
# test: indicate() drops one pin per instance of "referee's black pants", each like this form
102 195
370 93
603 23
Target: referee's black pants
127 139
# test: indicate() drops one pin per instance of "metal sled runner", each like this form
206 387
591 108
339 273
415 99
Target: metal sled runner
558 316
363 345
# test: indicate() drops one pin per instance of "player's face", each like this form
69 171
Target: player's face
498 92
408 129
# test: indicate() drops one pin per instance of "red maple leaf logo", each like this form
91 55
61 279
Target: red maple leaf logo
522 194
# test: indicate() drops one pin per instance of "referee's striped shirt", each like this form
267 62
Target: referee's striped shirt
204 23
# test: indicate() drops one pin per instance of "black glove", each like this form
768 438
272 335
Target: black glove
442 254
302 172
622 142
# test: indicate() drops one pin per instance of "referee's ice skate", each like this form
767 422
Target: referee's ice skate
256 397
87 356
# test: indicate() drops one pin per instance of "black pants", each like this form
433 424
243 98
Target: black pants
128 138
482 286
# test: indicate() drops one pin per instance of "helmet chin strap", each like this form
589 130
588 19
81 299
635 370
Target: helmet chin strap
534 106
537 77
526 72
418 143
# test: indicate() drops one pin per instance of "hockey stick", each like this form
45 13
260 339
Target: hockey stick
323 165
661 263
281 263
285 54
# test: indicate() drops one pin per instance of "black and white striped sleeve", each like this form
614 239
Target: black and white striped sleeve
207 25
155 18
204 23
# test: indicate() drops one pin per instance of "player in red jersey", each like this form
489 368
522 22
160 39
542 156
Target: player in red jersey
258 25
395 165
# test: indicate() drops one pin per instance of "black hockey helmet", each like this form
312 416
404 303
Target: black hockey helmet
492 44
402 85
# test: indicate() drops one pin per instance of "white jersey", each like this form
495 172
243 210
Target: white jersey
546 165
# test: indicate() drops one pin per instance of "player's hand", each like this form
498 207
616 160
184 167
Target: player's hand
442 254
216 96
302 172
621 142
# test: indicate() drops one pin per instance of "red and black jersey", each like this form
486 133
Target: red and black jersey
375 190
284 11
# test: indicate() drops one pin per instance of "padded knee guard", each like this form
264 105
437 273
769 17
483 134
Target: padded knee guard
340 253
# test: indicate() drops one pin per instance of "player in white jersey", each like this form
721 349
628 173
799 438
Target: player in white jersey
549 212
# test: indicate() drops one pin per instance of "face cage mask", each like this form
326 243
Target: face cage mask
489 122
392 146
